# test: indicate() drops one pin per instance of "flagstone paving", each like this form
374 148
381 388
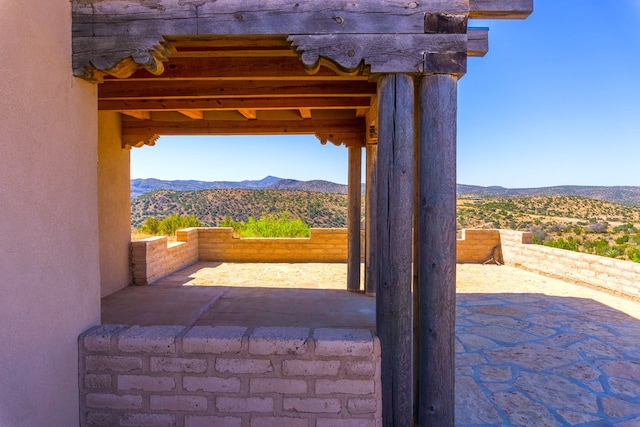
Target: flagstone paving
530 350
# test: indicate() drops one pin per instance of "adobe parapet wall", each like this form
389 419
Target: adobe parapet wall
229 376
608 274
154 258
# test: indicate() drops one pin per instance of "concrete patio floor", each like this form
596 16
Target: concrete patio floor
530 350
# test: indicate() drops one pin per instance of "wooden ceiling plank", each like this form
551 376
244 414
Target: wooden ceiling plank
215 104
194 114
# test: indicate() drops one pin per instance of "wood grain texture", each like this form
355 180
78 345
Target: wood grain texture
378 53
124 90
500 9
371 197
239 69
393 228
477 42
225 104
334 131
437 249
354 211
118 36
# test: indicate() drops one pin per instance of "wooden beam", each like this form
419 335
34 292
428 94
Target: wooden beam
393 228
370 246
353 218
305 113
242 127
437 250
118 36
246 53
225 104
500 9
248 113
140 115
238 69
382 53
477 42
193 114
123 90
211 17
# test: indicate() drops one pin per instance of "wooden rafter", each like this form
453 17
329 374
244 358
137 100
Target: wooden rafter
305 113
137 114
248 113
193 114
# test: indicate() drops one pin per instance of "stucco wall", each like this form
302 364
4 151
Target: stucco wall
49 274
114 208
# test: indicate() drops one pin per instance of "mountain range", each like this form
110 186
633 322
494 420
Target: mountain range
626 195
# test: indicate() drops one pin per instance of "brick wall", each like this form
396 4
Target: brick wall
613 275
323 245
229 376
154 258
478 246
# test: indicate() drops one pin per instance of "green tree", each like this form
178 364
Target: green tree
150 226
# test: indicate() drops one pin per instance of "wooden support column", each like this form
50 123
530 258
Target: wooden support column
371 197
393 229
437 249
353 217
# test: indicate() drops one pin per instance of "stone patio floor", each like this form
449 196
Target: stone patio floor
530 350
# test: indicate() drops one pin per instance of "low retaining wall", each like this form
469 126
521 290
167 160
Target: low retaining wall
609 274
479 246
323 245
154 258
229 376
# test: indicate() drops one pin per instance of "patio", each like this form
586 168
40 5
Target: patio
531 350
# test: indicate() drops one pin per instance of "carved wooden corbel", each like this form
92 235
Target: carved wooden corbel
131 141
120 57
383 53
348 140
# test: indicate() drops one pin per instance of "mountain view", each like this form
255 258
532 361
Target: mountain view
599 220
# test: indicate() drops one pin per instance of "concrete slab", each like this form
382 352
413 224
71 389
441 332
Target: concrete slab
311 308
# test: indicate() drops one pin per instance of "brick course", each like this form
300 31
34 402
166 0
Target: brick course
228 376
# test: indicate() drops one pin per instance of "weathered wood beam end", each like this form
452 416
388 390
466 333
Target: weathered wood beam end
500 9
477 42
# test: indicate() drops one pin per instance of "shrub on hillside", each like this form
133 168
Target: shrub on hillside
170 225
268 226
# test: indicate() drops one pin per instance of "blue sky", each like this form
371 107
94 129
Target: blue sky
556 101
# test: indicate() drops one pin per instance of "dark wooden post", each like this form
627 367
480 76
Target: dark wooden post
370 276
437 249
354 217
395 212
